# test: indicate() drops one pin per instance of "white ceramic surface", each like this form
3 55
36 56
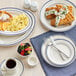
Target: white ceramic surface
17 11
49 61
54 56
12 40
27 3
46 22
32 61
34 6
19 69
8 70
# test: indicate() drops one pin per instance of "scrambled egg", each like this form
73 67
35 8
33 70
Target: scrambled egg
14 24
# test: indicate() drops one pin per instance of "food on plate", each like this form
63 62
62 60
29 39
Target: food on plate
60 15
5 16
50 12
24 49
10 22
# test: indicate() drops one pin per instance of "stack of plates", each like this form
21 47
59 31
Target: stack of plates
52 55
11 38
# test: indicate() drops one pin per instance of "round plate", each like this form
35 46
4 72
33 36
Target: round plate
20 68
12 40
59 37
46 22
17 11
54 56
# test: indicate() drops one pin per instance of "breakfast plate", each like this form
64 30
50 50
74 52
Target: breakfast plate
19 69
12 40
61 41
15 26
51 23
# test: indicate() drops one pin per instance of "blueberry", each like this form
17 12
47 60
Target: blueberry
26 45
25 53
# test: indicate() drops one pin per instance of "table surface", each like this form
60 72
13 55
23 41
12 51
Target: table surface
6 52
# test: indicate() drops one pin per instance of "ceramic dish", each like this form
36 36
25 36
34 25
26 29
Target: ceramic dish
46 23
66 46
24 50
20 68
17 11
71 46
32 61
12 40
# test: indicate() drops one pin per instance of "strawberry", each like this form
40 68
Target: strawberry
22 44
28 49
22 53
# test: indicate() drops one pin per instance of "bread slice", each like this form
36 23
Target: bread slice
51 16
69 18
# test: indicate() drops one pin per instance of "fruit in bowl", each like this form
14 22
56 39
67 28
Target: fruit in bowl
24 49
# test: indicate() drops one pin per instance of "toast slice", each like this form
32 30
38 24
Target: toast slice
67 20
51 16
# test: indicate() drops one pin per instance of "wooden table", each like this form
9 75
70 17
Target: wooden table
39 29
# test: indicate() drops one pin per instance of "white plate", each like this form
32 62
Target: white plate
12 40
53 54
46 23
59 37
17 11
20 68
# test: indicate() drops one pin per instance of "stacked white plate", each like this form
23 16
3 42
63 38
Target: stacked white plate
8 38
52 56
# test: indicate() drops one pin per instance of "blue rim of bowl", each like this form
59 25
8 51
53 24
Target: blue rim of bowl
11 44
19 61
25 11
52 0
58 65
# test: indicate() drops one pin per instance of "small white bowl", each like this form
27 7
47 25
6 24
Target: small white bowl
32 61
25 56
